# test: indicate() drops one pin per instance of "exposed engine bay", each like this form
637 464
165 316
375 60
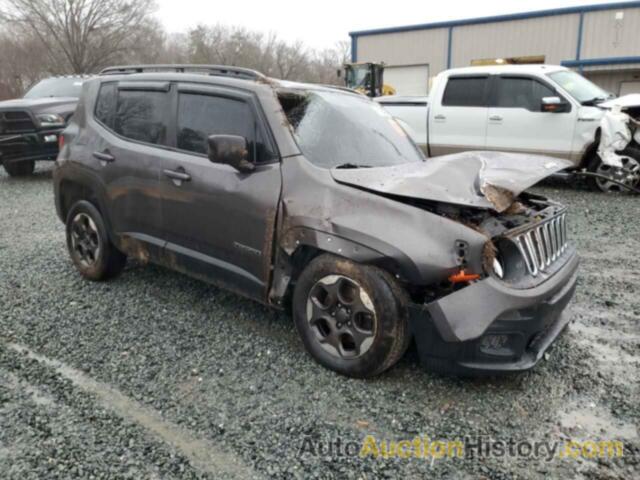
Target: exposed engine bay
523 242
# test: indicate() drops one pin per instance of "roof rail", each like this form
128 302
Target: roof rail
216 70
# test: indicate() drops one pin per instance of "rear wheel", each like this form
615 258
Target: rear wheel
352 318
20 168
93 254
609 177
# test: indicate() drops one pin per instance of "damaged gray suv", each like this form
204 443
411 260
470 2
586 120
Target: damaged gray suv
313 198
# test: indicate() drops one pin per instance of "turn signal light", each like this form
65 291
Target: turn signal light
463 277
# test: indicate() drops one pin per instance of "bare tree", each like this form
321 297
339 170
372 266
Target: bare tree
81 35
40 38
269 54
23 63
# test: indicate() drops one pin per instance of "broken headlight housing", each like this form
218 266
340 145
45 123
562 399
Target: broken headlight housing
508 264
497 268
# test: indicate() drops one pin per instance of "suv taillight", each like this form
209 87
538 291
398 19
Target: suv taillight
60 141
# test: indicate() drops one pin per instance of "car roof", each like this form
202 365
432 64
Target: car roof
536 69
213 74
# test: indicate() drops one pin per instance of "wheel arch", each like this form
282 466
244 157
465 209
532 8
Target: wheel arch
70 192
301 245
73 189
591 149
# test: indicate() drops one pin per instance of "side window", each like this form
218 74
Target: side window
518 92
142 115
200 116
465 92
106 104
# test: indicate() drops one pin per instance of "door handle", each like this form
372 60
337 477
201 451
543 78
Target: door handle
440 117
104 156
495 118
177 175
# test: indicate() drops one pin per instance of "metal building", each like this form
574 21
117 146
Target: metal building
600 41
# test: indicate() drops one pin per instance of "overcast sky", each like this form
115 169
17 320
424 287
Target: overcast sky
322 23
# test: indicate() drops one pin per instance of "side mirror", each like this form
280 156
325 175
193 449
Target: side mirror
554 105
231 150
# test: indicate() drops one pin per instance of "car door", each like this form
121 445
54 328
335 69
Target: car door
219 222
458 122
133 139
517 122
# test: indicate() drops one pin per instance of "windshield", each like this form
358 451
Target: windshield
336 129
56 87
358 77
579 87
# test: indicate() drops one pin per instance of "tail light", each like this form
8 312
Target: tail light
60 141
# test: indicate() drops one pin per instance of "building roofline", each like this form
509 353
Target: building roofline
500 18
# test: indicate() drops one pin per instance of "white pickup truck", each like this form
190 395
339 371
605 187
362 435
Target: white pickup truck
540 109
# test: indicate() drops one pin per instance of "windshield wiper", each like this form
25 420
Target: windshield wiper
352 165
593 102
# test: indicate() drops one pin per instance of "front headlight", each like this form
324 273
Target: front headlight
50 120
508 263
497 268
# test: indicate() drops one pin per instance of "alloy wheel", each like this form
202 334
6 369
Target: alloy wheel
342 316
85 240
629 175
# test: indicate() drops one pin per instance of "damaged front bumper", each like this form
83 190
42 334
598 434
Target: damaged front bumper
490 327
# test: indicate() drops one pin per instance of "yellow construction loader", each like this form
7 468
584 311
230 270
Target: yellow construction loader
367 77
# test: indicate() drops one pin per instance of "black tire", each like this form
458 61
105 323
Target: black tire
387 330
595 166
21 168
88 243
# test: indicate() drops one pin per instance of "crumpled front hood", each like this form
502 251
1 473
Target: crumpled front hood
476 179
626 101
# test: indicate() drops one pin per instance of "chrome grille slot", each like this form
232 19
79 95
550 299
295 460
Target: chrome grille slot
543 244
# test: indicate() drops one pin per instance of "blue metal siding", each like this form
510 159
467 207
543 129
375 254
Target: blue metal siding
580 29
500 18
449 46
587 62
354 48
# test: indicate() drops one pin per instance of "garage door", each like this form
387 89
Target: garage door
628 87
410 80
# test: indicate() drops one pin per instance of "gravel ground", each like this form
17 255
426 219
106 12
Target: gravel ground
155 375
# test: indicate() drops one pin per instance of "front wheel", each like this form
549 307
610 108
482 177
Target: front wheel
352 318
20 168
609 177
93 254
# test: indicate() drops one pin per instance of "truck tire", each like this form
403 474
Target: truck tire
629 175
352 318
95 257
20 168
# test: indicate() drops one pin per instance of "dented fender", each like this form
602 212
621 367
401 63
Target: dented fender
391 258
412 243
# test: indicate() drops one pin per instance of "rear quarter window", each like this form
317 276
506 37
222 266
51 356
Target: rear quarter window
142 115
465 92
106 104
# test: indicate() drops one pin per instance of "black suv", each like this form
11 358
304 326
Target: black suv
313 198
29 126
